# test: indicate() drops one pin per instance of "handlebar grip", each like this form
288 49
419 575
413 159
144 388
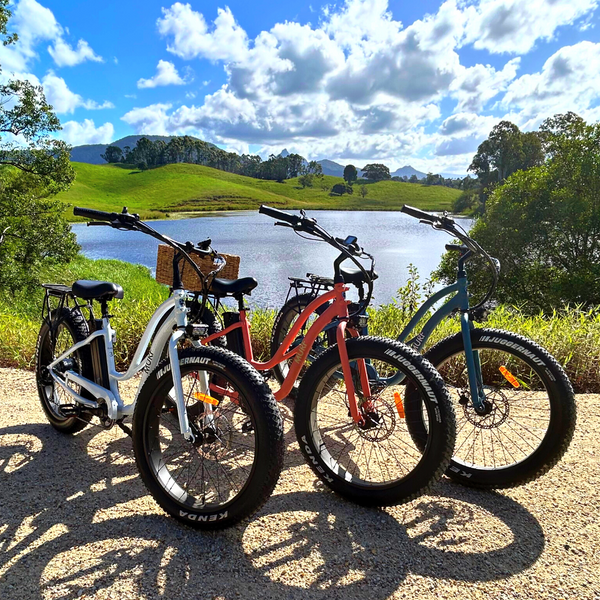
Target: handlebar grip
417 213
96 215
279 214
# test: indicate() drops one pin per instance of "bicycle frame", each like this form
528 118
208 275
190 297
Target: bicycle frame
174 313
458 302
338 310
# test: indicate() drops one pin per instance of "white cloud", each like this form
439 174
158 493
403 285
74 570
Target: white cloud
63 99
362 85
192 38
475 86
76 133
166 74
150 119
36 24
568 81
514 26
65 56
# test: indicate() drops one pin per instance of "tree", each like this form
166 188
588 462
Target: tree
363 190
306 180
113 154
294 165
413 179
543 224
376 172
350 174
34 170
341 188
506 151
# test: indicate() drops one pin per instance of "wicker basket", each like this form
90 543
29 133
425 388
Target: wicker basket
191 281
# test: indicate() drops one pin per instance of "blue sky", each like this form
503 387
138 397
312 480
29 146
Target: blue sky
418 83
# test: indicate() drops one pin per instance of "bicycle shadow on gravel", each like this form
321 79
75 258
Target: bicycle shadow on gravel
59 538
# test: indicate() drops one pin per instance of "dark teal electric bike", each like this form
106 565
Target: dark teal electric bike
514 404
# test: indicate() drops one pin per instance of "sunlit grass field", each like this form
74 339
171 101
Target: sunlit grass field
172 190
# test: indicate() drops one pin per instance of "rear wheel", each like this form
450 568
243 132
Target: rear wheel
530 411
232 466
63 329
284 322
377 462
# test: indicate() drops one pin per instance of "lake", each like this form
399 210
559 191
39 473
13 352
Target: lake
272 254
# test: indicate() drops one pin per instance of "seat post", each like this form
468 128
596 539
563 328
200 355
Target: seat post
104 308
240 299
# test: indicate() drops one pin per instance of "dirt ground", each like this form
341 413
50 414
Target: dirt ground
76 522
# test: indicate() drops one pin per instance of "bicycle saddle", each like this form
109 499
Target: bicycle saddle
97 290
355 276
230 287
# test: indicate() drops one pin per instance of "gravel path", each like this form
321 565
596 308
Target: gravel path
76 522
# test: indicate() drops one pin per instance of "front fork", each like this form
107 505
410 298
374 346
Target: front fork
184 423
473 364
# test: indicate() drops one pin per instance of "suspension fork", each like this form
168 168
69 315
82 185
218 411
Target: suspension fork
473 364
347 371
184 424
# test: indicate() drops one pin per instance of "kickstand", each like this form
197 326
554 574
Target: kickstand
125 428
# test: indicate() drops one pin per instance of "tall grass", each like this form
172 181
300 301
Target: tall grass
572 335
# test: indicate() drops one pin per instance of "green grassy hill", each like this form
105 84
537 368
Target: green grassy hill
179 189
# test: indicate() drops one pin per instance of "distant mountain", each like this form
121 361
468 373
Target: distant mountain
409 172
334 169
331 168
90 153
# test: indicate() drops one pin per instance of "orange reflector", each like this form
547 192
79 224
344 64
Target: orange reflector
509 377
206 398
399 405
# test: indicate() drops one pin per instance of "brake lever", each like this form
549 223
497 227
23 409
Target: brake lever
282 224
97 223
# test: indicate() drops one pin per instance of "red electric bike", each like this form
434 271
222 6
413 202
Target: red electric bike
349 416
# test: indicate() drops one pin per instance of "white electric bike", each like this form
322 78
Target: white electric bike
207 432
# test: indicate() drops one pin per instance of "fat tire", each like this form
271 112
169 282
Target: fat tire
563 411
269 434
75 322
437 454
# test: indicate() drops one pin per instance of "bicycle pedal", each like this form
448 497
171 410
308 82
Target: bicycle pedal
70 410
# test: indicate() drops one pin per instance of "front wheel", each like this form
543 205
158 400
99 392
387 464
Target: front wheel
230 469
376 462
529 415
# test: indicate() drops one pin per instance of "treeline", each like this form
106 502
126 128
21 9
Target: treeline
459 183
186 149
508 150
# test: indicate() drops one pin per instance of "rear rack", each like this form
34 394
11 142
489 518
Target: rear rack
57 289
65 296
315 283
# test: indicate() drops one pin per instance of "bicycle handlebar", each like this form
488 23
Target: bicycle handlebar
310 226
417 213
124 220
96 215
275 213
448 224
